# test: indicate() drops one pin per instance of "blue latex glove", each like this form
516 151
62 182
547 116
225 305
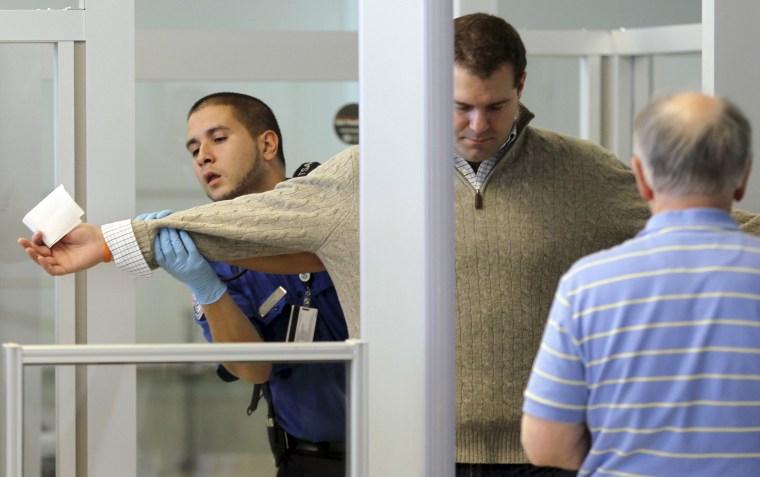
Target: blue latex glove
154 215
176 253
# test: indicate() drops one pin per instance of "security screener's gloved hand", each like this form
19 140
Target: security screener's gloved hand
176 253
154 215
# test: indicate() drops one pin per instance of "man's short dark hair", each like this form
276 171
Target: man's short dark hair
253 114
483 43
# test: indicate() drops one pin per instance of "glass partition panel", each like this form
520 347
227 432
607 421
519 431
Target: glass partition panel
39 438
597 14
27 165
190 423
47 421
27 293
676 73
38 4
246 15
552 93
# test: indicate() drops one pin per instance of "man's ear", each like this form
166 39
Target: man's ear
739 193
645 190
269 144
521 84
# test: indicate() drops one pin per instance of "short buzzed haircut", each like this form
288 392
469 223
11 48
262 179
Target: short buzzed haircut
253 114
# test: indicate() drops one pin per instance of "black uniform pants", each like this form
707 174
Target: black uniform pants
297 464
312 459
510 470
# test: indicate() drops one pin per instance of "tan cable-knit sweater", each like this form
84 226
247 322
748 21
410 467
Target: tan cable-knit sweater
316 213
549 201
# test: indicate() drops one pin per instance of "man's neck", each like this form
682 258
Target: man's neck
669 203
269 184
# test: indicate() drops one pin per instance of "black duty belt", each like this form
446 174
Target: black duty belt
294 444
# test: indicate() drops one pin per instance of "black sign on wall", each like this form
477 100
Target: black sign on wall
347 123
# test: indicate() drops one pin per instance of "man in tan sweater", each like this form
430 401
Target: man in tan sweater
529 202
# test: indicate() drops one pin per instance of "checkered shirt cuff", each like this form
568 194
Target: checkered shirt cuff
123 244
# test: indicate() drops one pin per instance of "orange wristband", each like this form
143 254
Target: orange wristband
107 257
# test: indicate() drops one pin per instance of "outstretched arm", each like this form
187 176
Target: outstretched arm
303 262
80 249
83 248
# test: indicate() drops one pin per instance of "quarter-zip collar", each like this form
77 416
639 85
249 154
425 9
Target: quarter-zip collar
479 179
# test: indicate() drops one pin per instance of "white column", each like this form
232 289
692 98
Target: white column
407 250
591 98
616 106
731 67
110 195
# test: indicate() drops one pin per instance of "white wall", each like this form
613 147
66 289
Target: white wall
732 69
597 14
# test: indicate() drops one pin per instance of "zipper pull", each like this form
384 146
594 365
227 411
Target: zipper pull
478 200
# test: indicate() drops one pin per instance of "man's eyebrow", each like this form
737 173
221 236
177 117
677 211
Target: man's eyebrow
208 132
495 103
499 103
190 142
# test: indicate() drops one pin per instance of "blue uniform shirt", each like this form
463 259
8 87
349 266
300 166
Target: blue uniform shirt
309 398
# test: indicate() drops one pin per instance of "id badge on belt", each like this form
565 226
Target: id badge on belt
303 319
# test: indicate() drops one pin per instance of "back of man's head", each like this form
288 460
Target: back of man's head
252 113
483 43
693 144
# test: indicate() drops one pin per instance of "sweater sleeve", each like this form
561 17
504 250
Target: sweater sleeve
299 215
748 221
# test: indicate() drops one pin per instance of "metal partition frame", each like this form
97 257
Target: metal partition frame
61 28
616 72
611 96
14 357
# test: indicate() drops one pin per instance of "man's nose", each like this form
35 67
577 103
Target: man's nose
205 155
478 121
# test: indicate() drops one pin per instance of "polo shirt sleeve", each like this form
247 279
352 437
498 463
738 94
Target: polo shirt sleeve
557 388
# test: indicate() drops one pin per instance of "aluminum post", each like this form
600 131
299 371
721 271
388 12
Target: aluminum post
12 394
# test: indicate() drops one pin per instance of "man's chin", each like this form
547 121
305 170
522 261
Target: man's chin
475 157
474 154
216 197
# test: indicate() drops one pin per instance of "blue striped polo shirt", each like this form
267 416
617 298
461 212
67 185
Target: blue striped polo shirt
655 345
